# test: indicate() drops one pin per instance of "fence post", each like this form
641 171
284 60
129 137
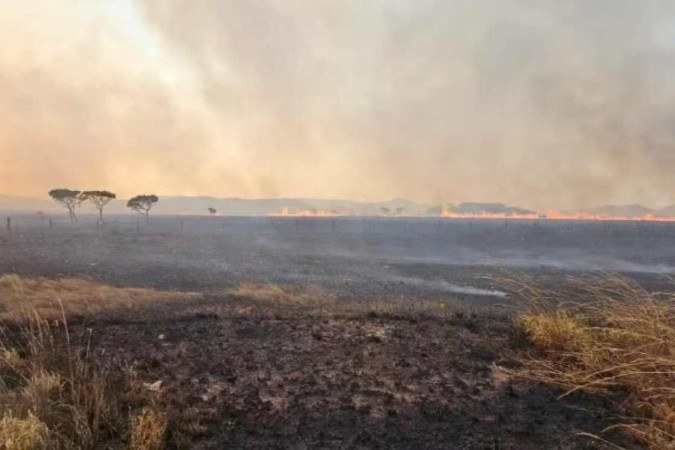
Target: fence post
9 224
50 223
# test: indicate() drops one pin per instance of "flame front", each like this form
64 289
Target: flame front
449 214
287 212
555 215
486 215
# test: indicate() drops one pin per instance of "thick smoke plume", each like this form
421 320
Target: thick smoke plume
540 104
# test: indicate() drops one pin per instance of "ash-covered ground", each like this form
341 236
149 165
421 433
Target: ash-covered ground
359 258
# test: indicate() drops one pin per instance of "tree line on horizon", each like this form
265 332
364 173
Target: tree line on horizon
71 199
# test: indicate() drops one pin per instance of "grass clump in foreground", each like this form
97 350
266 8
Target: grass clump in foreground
55 395
606 335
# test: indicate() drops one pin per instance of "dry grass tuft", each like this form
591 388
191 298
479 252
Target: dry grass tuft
148 429
555 331
23 434
607 335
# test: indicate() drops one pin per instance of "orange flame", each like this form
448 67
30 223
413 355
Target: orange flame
556 215
485 215
286 212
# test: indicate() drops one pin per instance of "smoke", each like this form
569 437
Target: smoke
538 104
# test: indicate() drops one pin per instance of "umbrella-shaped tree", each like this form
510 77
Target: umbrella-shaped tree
67 198
142 204
99 199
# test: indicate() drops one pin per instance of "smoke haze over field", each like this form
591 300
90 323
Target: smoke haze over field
540 104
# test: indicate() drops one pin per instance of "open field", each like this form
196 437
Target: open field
322 333
356 257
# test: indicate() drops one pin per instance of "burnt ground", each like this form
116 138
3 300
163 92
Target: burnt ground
356 257
241 373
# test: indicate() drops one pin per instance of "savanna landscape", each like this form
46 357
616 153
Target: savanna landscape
337 224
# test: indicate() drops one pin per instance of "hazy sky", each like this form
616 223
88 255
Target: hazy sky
539 103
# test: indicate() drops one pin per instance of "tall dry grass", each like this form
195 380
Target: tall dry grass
606 335
54 394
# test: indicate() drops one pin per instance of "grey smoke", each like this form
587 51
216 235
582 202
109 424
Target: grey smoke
561 104
547 103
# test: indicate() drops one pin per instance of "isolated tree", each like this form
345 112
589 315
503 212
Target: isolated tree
385 211
68 199
99 199
399 211
213 211
142 204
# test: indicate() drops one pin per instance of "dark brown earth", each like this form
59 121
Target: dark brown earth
242 373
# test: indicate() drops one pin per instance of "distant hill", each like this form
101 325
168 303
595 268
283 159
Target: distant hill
488 208
26 204
228 206
261 207
233 206
622 211
667 211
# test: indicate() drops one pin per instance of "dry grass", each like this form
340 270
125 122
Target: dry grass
285 296
314 300
607 335
19 295
53 393
23 434
148 429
